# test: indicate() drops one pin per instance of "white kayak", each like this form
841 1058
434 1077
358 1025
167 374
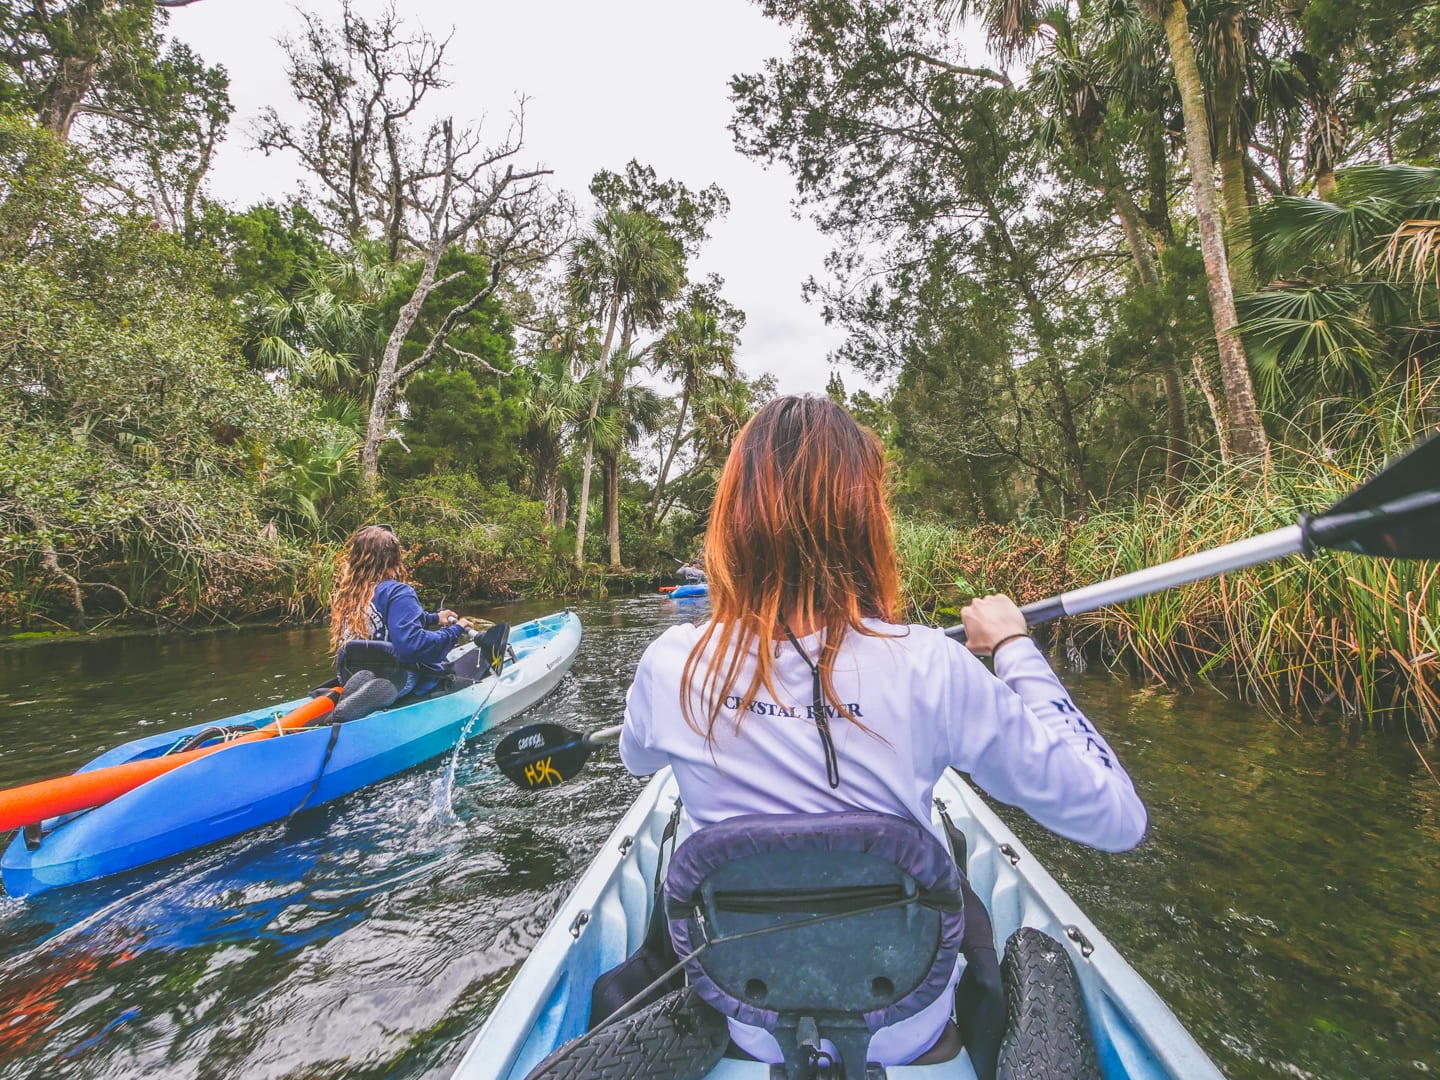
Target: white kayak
605 918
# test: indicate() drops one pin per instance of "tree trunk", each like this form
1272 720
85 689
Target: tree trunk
1157 156
584 508
1246 431
562 508
1149 273
387 378
612 507
548 483
61 103
1217 407
1233 195
670 457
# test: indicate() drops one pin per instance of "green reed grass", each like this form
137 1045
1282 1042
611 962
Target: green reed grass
1336 633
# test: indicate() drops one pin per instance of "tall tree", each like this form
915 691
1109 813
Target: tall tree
101 72
1246 430
421 189
559 397
698 348
622 272
1013 24
902 152
57 55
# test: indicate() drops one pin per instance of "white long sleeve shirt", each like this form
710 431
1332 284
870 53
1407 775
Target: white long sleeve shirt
932 705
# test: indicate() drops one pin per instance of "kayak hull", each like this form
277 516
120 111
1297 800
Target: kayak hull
254 784
605 918
686 592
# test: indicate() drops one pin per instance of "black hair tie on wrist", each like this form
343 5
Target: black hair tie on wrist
1009 637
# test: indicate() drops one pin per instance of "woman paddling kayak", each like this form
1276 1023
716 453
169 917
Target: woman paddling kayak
382 639
805 695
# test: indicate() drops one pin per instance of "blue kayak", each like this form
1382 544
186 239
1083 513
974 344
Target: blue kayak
1134 1034
685 592
256 783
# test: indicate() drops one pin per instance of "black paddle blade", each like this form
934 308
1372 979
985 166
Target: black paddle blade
1394 514
541 755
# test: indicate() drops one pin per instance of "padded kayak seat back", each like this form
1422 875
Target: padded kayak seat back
816 927
358 654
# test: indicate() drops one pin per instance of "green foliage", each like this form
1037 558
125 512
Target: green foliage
1354 634
1355 296
464 536
685 214
458 423
130 445
270 247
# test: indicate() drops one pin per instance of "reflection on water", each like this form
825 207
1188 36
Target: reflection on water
1286 904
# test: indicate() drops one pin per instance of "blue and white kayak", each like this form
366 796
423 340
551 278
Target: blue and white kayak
605 918
686 592
256 783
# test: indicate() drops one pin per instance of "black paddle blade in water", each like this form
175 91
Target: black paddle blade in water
1394 514
542 755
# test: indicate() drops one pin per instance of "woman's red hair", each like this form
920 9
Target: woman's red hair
800 536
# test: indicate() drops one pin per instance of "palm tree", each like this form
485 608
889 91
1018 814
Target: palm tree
695 351
624 271
1355 284
635 411
1246 431
328 333
558 398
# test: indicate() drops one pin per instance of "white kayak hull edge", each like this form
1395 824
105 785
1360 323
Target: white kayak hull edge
604 919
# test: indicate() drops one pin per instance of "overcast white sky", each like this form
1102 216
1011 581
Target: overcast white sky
607 81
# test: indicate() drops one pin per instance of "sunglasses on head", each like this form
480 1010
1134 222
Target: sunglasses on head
382 525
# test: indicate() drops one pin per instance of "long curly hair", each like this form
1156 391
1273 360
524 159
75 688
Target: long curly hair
801 530
374 554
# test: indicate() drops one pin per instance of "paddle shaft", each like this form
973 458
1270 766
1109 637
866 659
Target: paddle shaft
1205 564
1331 530
603 735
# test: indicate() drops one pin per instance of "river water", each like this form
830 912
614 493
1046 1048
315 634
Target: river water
1286 903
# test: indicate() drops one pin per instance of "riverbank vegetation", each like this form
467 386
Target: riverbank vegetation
207 399
1145 277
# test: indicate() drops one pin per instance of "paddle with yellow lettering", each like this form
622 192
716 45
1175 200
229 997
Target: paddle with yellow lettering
543 755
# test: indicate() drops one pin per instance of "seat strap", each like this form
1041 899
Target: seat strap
657 934
324 761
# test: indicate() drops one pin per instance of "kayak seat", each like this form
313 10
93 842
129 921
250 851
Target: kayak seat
817 928
376 657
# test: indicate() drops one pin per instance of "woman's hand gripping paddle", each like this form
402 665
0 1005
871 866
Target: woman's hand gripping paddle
1393 515
543 755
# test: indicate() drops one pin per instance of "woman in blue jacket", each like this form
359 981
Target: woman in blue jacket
385 644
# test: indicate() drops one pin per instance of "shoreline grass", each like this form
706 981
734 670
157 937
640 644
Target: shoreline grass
1336 634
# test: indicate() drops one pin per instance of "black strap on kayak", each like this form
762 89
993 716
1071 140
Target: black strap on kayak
980 1010
822 720
616 988
329 749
